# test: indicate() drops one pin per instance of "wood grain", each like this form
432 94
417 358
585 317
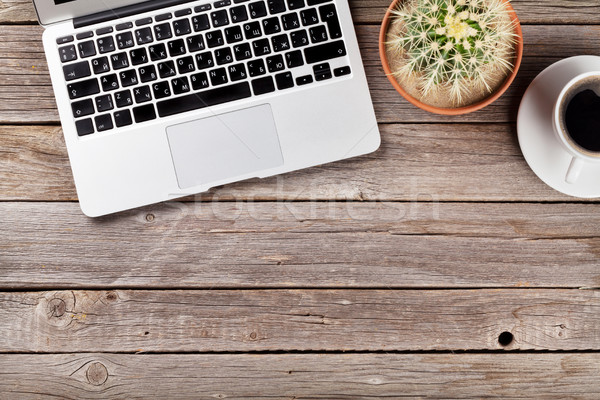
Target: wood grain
420 162
24 72
300 376
245 245
372 11
298 320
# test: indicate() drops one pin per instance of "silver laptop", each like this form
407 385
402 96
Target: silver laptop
166 98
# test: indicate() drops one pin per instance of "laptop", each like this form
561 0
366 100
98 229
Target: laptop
167 98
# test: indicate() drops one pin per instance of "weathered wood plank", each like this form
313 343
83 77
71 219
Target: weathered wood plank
245 245
301 376
372 11
24 72
298 320
416 162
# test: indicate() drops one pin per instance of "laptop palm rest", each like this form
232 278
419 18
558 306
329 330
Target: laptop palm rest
224 146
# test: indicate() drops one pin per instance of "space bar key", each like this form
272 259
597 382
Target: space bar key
203 99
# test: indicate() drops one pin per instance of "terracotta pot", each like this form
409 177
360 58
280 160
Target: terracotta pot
459 110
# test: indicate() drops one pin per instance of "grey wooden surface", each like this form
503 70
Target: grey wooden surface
390 275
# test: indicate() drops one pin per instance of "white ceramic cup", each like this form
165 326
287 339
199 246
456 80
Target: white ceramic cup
580 155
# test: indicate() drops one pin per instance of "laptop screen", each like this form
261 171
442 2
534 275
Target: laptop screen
52 11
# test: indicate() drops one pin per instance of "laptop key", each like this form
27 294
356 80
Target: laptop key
223 56
322 72
147 73
181 13
294 59
199 81
214 39
106 44
275 63
142 94
242 51
276 6
219 18
290 21
295 4
318 34
138 56
109 82
144 36
222 3
207 98
87 49
325 52
271 25
123 26
182 27
299 38
76 70
124 40
83 88
84 35
218 76
205 60
304 80
237 72
284 80
163 31
82 108
100 65
119 61
103 122
143 21
176 47
256 67
67 53
104 103
180 85
128 78
257 9
122 118
238 14
263 85
158 52
342 71
186 65
233 34
200 23
252 30
64 39
261 47
163 17
144 113
329 16
280 43
84 127
123 99
161 90
166 69
309 17
195 43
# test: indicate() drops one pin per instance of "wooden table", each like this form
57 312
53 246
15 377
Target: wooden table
438 266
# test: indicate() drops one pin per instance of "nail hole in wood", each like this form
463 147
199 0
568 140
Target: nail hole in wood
150 217
146 333
505 338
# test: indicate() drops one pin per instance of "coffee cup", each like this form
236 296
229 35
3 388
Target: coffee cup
576 120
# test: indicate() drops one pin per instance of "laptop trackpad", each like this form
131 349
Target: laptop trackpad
225 146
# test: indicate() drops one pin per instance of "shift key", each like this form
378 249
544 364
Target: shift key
325 51
83 88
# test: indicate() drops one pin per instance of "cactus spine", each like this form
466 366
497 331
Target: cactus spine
453 43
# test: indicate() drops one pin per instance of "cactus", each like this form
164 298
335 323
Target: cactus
453 43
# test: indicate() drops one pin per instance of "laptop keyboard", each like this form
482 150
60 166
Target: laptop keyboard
198 57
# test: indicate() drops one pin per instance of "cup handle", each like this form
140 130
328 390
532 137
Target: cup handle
574 170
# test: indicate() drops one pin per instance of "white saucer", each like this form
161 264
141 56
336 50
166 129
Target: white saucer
542 150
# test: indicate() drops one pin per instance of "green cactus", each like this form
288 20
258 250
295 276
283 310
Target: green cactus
448 43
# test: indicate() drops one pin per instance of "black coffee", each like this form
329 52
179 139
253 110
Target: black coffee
582 114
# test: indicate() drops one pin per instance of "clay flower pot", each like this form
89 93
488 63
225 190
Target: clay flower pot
518 54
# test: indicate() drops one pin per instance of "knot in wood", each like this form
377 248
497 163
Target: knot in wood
96 374
56 308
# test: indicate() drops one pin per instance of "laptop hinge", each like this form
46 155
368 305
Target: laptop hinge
125 11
